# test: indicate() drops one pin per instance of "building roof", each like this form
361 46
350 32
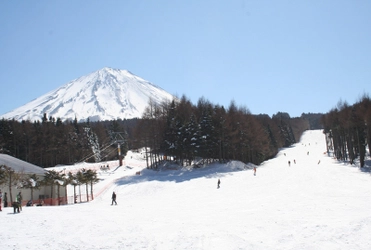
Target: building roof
19 165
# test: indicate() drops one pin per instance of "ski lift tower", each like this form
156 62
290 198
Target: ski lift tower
119 139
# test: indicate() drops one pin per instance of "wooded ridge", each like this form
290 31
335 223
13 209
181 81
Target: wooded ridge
176 130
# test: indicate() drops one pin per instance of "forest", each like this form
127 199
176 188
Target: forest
50 142
348 130
179 131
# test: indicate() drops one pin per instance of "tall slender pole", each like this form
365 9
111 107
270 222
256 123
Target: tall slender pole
119 153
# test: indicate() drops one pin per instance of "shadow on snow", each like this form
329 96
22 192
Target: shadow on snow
214 170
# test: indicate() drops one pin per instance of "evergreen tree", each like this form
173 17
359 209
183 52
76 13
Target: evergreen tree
191 139
31 182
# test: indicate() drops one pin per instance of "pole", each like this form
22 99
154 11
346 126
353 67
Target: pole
119 153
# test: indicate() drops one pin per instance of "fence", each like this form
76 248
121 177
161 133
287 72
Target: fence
56 201
67 200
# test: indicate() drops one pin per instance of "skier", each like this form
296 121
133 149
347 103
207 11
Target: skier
289 163
254 171
218 183
113 198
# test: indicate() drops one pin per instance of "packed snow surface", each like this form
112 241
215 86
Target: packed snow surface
315 203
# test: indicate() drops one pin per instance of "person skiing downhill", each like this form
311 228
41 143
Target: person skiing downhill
218 183
113 198
254 171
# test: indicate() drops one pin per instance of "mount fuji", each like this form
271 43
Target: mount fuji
105 94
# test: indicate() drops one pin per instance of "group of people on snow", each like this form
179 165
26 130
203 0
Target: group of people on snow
104 168
17 204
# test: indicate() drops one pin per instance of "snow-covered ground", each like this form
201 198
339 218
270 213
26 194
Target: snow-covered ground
317 203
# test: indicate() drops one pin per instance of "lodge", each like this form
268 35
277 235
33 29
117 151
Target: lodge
41 194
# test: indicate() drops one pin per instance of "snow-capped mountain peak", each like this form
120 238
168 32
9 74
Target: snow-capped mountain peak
105 94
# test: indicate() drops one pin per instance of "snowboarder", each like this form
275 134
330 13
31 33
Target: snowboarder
218 183
254 171
114 198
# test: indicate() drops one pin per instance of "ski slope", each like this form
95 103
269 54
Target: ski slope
317 203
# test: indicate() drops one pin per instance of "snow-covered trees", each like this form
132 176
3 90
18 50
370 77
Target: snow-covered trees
184 132
177 130
90 178
31 181
52 178
82 177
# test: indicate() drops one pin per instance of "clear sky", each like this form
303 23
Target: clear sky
269 56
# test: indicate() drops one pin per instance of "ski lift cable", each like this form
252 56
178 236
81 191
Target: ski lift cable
91 155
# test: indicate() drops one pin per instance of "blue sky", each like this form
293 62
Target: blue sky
268 56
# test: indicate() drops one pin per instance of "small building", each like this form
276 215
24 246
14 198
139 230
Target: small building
23 170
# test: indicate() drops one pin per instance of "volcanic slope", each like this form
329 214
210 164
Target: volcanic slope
105 94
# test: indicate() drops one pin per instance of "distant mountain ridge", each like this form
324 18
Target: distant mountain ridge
105 94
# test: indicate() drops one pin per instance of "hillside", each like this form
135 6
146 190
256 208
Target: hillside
315 203
106 94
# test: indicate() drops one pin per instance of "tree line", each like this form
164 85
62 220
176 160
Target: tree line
51 141
196 134
177 130
348 130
